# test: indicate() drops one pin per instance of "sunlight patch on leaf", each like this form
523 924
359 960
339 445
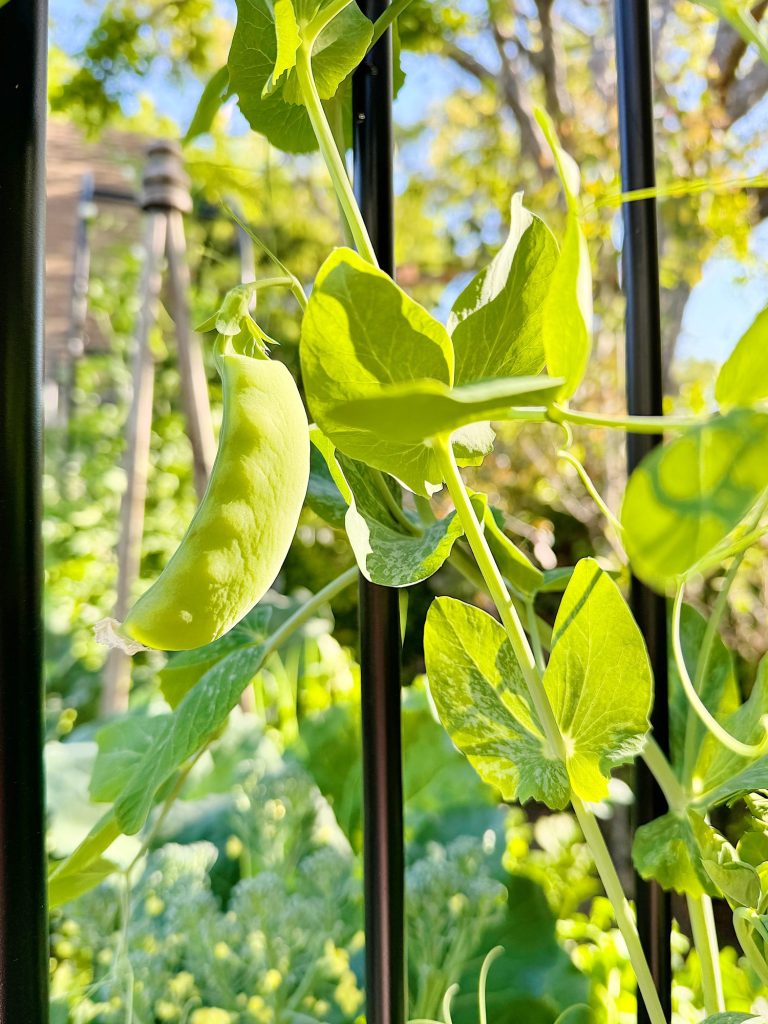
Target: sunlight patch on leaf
686 497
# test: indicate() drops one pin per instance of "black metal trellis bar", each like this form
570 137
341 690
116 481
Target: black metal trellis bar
383 859
23 923
634 62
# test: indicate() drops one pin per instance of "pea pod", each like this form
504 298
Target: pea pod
237 541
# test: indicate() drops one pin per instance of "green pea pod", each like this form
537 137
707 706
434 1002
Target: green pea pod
239 537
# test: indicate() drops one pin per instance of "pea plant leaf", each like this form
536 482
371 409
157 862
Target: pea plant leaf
686 497
287 43
122 745
360 332
391 546
199 715
495 323
482 701
323 494
185 668
566 321
743 377
668 851
721 774
261 66
68 887
214 94
414 411
738 882
598 680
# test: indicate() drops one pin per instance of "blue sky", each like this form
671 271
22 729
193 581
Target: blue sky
721 306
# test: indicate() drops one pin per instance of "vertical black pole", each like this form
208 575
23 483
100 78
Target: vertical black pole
379 614
644 397
23 925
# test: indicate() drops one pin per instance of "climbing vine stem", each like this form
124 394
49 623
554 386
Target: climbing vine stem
534 682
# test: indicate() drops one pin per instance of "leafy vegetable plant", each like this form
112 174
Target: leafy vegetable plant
400 403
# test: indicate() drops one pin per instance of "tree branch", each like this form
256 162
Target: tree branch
728 52
518 102
548 63
745 92
529 139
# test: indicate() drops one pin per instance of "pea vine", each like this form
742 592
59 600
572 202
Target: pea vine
400 403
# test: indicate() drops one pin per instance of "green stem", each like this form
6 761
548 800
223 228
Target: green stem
742 927
464 564
499 594
621 908
322 18
632 424
482 984
593 492
308 609
168 803
267 282
705 940
538 694
690 748
330 153
334 111
384 20
535 637
719 555
395 509
661 769
295 285
749 750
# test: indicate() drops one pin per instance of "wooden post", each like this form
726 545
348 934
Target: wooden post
117 675
167 188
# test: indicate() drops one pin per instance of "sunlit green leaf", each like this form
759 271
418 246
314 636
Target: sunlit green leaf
360 332
667 851
752 848
123 744
567 311
415 411
253 57
723 774
214 94
743 377
200 714
687 496
739 883
495 323
68 887
323 494
598 680
480 695
392 547
185 668
733 1018
287 42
